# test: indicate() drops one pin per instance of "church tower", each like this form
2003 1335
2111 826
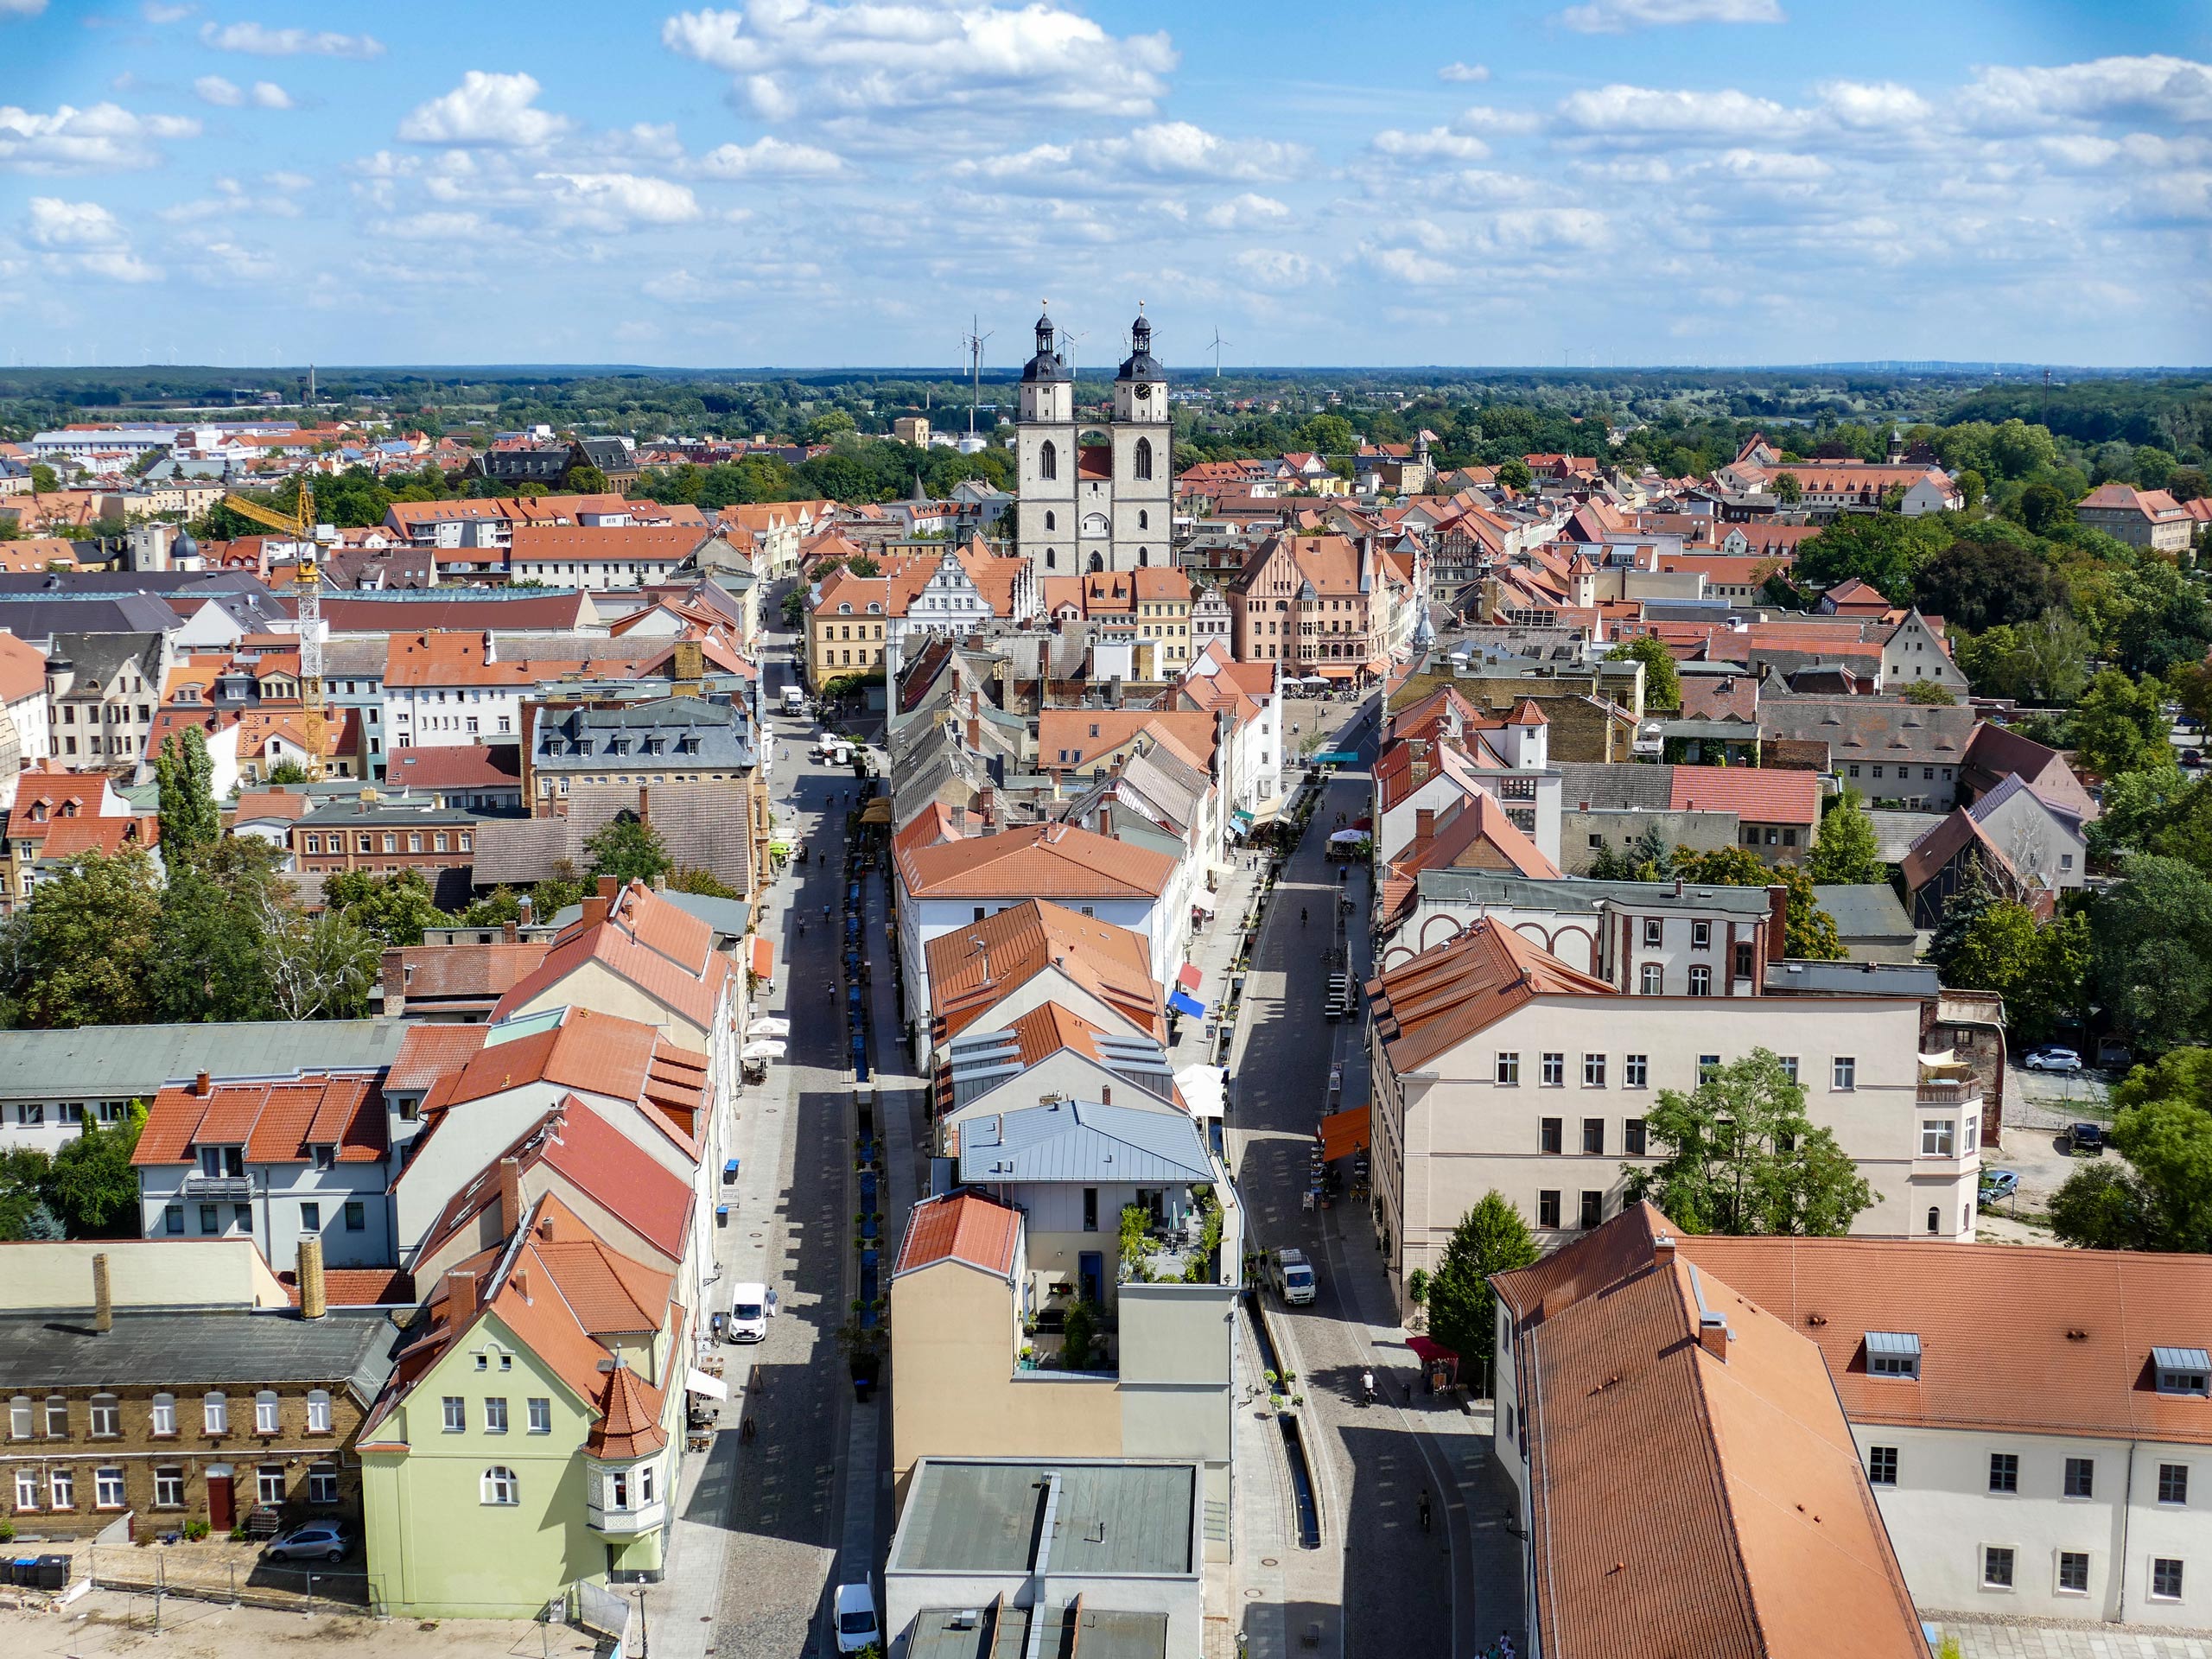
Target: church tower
1144 468
1045 521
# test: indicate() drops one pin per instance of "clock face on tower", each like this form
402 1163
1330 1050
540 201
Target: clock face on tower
1143 393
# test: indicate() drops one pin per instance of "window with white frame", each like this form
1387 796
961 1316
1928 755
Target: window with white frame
2166 1579
318 1411
106 1417
264 1412
107 1487
1843 1072
2073 1573
268 1483
168 1487
1509 1070
495 1414
456 1414
27 1489
1555 1071
1997 1566
541 1416
1935 1136
22 1417
1649 979
61 1489
322 1483
500 1486
1654 931
215 1414
57 1417
1636 1071
1700 981
1593 1071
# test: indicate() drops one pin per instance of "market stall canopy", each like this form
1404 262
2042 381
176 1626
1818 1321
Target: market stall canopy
877 811
1344 1134
713 1387
1205 1091
763 1050
763 959
773 1025
1184 1003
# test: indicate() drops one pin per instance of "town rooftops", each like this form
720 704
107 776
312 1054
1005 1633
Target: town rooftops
276 1121
965 1227
601 1054
979 1517
200 1348
116 1062
1754 794
972 969
2073 1354
1693 1487
1427 1007
1082 1141
1043 861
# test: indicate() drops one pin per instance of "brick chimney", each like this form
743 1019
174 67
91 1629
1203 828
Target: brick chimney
525 912
203 1086
1662 1250
1713 1335
645 806
313 1299
460 1295
1777 925
510 1194
103 1296
509 933
597 904
394 982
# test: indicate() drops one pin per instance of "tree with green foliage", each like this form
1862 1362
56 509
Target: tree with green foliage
44 480
628 849
185 774
584 480
690 878
93 1188
286 773
208 962
1663 680
395 906
1884 550
2040 968
2183 1074
320 966
2161 1201
1808 931
2187 484
1988 581
830 425
1847 850
2160 810
1080 1336
2151 935
2046 661
2044 507
1931 694
1492 1237
1513 474
24 1212
79 951
1788 490
1326 434
2120 726
1740 1155
2017 449
2141 611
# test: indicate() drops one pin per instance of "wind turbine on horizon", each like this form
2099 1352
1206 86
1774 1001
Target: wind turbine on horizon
1218 342
974 342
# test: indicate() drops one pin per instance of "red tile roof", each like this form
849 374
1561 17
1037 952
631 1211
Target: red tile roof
357 1287
964 1227
662 950
598 1053
1754 794
276 1122
973 969
1049 860
1432 1004
460 766
427 1052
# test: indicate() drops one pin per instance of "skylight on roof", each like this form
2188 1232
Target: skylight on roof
1892 1353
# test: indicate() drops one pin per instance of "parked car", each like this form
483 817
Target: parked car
1998 1184
2086 1137
751 1307
856 1623
322 1541
2192 757
2052 1059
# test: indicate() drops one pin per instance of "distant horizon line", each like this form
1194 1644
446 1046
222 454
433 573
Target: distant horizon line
1203 371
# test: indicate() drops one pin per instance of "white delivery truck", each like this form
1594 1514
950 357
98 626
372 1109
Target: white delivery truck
1294 1276
795 701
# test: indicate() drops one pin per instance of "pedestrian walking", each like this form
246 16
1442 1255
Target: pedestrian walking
1424 1508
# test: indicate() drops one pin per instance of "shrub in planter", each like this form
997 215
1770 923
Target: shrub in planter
196 1529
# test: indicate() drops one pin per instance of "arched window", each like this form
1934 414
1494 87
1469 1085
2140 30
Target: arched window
264 1412
23 1418
501 1485
1701 982
1144 457
107 1418
1144 519
1051 560
1051 523
1048 461
318 1411
1935 1219
215 1414
57 1415
1144 555
1097 563
164 1413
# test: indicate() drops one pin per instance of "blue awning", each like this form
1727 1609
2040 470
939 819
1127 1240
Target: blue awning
1183 1002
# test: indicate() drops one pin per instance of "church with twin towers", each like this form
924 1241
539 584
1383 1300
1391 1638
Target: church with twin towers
1091 506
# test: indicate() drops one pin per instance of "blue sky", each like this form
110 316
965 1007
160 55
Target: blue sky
824 182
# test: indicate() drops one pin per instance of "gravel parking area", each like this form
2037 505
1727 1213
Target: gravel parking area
2039 1107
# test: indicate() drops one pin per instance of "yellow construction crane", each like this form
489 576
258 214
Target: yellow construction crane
300 524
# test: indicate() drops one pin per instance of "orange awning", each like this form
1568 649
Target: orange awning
1335 670
763 957
1344 1133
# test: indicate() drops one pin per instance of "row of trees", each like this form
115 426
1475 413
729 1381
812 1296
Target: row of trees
86 1190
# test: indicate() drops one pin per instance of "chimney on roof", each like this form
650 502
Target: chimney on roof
313 1298
490 646
203 1086
103 1296
1777 923
1662 1250
461 1294
545 1227
509 931
1424 823
510 1195
1713 1334
523 913
395 983
645 806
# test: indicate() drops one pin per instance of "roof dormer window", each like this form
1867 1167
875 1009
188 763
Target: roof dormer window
2183 1371
1892 1353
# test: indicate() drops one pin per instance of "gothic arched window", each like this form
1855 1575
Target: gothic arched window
1144 519
1097 563
1048 461
1050 523
1144 555
1144 457
1051 560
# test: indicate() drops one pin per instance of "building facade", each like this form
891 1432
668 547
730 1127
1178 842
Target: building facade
1091 506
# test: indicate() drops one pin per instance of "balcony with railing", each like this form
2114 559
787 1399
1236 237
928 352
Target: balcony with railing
239 1188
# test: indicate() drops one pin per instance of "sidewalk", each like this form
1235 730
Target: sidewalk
1212 952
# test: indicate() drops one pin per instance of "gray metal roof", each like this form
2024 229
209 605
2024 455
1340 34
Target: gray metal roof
1593 783
1853 978
1001 1631
1447 886
1866 910
117 1062
1905 1342
1082 1141
573 740
984 1516
725 916
204 1349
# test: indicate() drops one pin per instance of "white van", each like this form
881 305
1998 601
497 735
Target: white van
794 699
857 1629
751 1307
1294 1277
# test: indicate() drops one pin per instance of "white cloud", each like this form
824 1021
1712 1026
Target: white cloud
268 95
86 238
1241 212
1883 104
1771 167
903 55
485 108
214 89
154 12
1639 110
1167 150
1617 17
257 41
1405 265
2176 89
1464 71
22 8
1438 143
287 181
617 199
1484 118
104 137
1275 268
768 158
